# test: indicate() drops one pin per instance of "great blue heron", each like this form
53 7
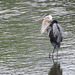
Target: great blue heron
53 29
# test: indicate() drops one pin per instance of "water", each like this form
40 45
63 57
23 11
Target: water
23 50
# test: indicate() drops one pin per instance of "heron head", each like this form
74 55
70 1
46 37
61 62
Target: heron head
46 17
46 22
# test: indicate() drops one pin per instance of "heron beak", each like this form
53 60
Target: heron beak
40 19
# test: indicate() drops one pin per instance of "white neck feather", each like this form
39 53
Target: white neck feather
44 26
46 22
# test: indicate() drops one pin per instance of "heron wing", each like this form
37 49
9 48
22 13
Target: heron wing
57 32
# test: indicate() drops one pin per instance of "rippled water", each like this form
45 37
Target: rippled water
23 50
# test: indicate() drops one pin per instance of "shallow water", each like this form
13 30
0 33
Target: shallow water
23 49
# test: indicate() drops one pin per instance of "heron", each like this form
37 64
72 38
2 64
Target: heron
53 29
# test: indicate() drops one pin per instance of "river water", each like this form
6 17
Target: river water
23 49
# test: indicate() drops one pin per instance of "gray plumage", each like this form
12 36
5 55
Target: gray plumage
55 34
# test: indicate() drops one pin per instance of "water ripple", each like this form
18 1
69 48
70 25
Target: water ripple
23 49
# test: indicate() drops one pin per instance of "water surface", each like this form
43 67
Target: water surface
23 49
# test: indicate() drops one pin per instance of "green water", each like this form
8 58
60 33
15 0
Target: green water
23 49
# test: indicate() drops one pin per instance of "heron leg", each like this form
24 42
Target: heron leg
57 54
51 55
53 52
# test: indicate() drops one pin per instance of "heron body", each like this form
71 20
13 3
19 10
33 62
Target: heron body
53 29
55 34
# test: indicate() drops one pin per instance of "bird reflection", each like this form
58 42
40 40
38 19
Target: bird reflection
54 31
55 69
